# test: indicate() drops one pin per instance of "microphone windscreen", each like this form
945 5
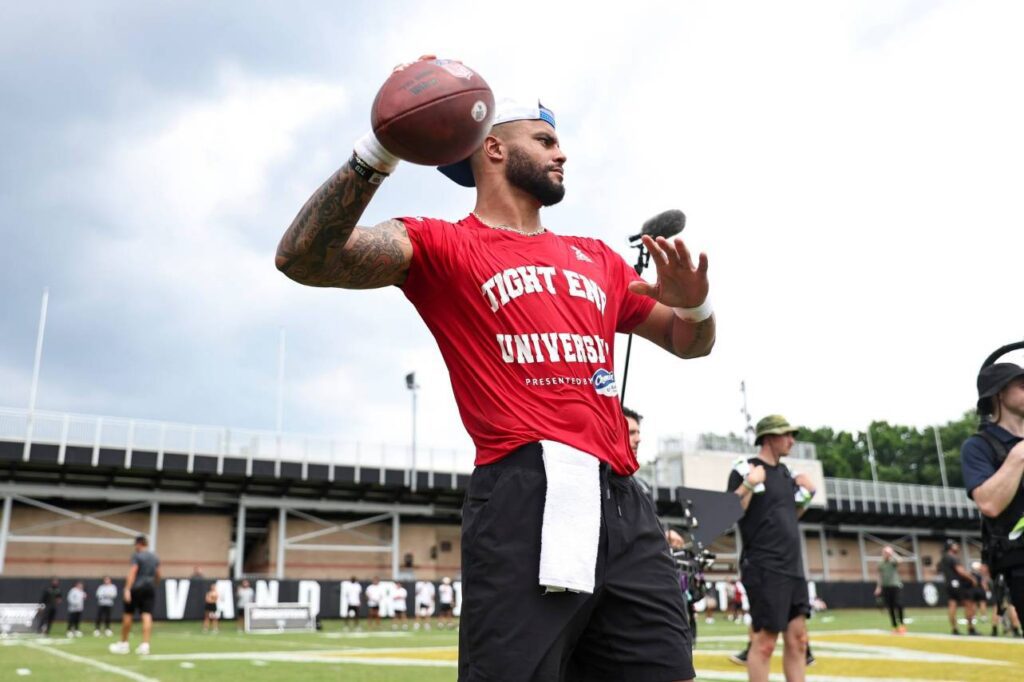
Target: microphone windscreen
666 224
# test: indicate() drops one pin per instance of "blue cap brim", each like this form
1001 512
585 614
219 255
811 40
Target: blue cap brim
461 173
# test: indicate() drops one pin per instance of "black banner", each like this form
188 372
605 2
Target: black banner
182 599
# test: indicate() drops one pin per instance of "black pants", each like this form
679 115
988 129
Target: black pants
74 620
891 595
103 617
46 622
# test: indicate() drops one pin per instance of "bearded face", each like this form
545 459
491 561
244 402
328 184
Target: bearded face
534 178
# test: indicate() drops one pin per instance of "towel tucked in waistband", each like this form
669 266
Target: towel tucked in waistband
571 528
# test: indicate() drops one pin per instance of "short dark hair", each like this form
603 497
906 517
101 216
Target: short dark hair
632 414
141 540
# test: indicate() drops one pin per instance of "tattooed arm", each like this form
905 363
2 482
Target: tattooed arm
681 338
324 247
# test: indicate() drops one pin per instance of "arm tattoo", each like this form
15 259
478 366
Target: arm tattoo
319 248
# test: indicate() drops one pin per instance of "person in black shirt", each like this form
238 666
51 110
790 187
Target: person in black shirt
139 595
992 462
50 600
771 565
959 587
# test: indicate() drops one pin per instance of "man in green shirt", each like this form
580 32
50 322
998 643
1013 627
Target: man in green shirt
889 586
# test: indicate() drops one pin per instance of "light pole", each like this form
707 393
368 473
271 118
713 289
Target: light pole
410 383
34 388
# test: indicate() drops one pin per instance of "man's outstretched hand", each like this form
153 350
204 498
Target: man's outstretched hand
679 283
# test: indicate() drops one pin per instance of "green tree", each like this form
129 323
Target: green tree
903 454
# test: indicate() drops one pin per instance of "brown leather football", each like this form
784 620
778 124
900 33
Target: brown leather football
433 111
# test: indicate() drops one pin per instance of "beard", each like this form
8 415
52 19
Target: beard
522 173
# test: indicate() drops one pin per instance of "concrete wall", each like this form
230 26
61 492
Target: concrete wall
185 540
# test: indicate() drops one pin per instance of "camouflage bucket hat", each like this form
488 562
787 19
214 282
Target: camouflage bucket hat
773 425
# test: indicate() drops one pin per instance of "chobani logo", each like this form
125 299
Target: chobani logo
604 383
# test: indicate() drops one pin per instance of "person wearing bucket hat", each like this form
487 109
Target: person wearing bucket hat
525 320
992 461
771 566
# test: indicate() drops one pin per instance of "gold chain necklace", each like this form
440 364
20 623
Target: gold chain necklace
509 228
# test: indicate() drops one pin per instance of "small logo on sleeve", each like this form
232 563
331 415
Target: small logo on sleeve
603 382
581 255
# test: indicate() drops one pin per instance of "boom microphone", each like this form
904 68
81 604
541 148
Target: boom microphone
666 224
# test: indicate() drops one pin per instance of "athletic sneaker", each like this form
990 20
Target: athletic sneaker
142 649
108 632
119 648
95 633
810 657
741 657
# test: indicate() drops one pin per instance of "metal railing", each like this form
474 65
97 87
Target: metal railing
736 445
65 430
906 498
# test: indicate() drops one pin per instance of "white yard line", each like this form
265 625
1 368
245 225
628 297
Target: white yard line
778 677
124 672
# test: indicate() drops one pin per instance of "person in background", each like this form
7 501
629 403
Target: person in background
244 596
889 586
982 589
445 603
139 595
50 599
374 594
353 598
76 605
211 616
958 587
400 600
425 594
106 595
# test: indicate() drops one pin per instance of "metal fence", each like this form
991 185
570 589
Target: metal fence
65 430
904 497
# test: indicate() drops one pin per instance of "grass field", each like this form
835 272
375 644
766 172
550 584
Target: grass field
850 647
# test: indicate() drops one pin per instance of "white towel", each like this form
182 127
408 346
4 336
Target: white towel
572 519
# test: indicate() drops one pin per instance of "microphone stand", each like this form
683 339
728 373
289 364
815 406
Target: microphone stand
642 261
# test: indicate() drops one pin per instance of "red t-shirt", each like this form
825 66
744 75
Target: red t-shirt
526 326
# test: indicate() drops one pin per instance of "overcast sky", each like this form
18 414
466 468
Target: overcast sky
853 170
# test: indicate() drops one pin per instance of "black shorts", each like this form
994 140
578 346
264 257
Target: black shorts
633 627
143 597
775 599
444 609
210 608
957 592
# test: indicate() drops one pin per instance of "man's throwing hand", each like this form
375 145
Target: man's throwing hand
679 283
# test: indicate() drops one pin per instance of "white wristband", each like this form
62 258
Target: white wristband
698 314
372 152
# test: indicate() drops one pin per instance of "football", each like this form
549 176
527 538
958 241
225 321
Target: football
433 112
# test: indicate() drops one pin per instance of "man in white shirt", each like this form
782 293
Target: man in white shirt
446 603
352 592
76 605
106 595
400 602
425 592
374 592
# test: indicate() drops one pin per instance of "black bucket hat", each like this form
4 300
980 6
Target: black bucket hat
993 379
